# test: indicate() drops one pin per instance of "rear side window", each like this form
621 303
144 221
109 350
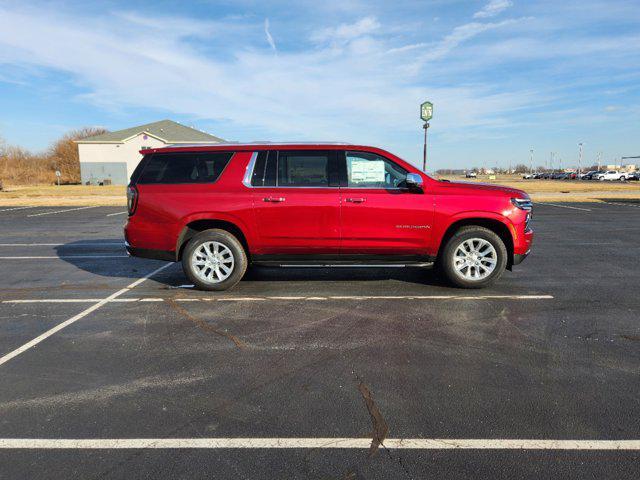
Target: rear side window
194 167
264 171
303 169
135 176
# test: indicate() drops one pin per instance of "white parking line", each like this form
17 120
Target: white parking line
43 257
297 298
59 211
564 206
15 208
79 316
117 213
316 443
82 300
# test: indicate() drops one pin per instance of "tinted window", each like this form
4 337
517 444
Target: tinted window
138 171
368 170
264 170
303 169
192 167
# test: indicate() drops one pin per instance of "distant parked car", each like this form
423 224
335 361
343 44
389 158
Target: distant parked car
527 176
594 175
633 176
611 175
587 175
471 175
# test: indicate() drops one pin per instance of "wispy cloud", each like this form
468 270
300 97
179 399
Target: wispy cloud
267 33
347 31
360 80
463 33
493 8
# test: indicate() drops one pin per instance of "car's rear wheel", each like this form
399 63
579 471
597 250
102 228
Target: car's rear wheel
214 260
474 257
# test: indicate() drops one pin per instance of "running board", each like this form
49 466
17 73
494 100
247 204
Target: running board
356 265
344 261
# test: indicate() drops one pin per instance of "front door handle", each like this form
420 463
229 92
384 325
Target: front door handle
273 199
356 200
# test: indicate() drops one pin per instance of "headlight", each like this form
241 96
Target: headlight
522 203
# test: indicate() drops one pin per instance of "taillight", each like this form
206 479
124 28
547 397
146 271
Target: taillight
132 199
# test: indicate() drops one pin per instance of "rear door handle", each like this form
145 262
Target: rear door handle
273 199
356 200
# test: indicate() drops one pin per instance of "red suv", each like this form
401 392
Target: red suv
221 207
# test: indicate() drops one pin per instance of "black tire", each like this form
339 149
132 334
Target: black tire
446 259
239 258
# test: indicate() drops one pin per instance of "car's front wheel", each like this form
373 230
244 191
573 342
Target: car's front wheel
214 260
474 257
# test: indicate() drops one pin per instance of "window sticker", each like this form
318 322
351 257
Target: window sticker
367 171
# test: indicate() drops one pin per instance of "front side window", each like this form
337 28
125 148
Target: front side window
368 170
303 169
192 167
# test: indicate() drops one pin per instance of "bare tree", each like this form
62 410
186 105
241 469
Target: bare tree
64 153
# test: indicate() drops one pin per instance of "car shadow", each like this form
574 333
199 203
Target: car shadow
415 275
108 258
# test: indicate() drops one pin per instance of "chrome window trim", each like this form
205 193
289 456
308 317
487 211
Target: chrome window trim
246 181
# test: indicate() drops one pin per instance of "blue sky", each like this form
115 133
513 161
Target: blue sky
504 75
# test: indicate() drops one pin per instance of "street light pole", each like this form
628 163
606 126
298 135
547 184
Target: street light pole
531 161
424 151
580 158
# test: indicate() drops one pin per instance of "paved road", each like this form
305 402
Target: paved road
551 352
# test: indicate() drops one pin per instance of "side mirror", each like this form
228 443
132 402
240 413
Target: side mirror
414 181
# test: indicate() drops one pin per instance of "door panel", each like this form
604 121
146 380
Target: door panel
379 214
300 212
379 221
297 220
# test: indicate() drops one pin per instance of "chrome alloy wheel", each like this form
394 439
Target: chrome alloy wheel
475 259
212 262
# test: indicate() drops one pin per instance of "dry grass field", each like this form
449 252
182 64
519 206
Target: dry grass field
65 195
540 190
561 190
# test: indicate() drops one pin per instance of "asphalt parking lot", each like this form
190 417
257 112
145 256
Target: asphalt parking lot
112 367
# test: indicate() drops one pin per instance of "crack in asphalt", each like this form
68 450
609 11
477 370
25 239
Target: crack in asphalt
204 325
380 427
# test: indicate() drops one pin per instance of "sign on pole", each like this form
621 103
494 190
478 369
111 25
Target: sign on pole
426 111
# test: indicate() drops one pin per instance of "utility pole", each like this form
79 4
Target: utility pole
580 158
531 161
599 156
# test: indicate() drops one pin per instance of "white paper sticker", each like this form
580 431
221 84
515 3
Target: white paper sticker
367 171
